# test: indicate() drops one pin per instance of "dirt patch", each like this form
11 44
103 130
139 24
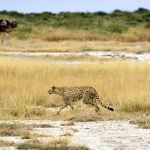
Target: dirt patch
109 135
106 135
78 56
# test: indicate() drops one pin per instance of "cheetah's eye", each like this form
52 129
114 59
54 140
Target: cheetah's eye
53 87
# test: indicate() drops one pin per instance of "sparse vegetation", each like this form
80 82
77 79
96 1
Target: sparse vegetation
5 143
56 144
68 124
26 135
14 129
142 121
118 25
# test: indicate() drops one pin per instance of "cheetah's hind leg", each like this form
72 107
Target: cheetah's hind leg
97 110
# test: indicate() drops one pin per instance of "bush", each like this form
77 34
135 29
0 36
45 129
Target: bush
97 23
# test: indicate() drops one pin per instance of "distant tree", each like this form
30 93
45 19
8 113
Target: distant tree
141 10
6 27
100 13
117 11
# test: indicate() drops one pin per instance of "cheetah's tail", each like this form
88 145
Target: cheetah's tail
107 107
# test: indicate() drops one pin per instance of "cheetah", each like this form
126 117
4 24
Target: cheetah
72 94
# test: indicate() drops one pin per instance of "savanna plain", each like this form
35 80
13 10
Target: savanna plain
123 84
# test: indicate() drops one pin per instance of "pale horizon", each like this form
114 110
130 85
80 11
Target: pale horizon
57 6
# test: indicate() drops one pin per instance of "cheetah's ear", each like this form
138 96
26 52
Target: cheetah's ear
53 87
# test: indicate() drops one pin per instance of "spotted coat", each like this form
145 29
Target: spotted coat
71 94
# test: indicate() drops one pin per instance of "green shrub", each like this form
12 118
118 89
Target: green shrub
98 22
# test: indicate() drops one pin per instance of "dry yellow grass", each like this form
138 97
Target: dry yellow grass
139 33
62 34
40 45
133 34
61 143
123 85
5 143
64 140
61 39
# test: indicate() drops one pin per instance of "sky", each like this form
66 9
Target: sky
56 6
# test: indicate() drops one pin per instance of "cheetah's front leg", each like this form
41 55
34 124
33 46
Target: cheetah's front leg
62 107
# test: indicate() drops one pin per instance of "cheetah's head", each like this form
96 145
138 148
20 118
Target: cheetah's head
53 90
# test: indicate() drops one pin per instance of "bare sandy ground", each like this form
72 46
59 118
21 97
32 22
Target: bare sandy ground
99 54
99 135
